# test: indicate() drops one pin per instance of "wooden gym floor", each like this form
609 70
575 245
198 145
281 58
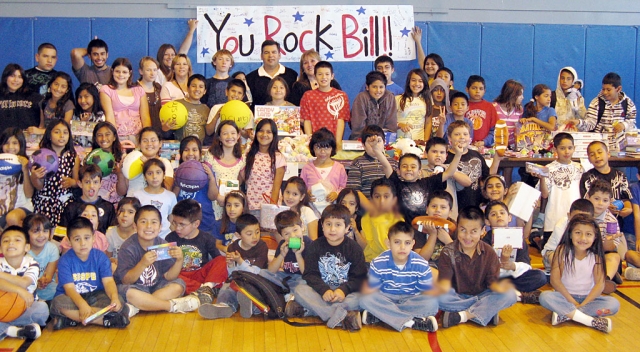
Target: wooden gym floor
522 328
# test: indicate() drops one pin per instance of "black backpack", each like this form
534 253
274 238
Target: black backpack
266 295
602 103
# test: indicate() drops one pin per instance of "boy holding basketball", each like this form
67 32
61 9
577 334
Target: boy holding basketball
85 283
19 275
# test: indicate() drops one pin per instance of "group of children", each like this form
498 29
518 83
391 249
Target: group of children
149 244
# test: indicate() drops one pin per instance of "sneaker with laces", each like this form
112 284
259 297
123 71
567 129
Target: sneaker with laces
632 274
61 322
428 324
117 319
353 321
293 309
184 304
538 223
450 319
30 332
204 294
215 311
245 306
368 318
558 319
602 324
532 297
133 310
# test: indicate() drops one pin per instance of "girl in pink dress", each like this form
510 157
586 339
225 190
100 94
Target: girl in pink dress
125 104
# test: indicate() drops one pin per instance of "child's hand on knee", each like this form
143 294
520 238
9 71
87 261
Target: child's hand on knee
338 295
328 296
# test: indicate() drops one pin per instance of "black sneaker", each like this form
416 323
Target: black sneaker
450 319
204 294
428 324
532 297
353 321
368 318
30 332
61 322
117 319
293 309
617 279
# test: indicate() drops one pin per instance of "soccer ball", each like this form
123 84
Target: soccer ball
190 176
103 159
46 158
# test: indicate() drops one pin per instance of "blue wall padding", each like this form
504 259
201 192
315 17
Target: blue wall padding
556 46
16 44
507 52
462 59
607 49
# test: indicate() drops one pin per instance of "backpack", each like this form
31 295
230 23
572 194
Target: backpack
601 105
264 294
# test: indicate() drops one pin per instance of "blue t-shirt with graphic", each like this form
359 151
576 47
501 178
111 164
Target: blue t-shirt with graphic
228 236
86 275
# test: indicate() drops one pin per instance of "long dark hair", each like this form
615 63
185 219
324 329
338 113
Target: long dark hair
160 57
93 91
255 147
425 94
531 108
116 147
511 90
225 221
216 147
122 61
565 254
15 132
185 142
59 111
302 188
8 71
46 139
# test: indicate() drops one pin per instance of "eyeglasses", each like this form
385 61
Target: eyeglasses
317 147
179 226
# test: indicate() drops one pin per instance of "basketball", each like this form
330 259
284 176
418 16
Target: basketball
237 111
190 176
174 112
11 306
501 136
46 158
9 164
132 165
103 159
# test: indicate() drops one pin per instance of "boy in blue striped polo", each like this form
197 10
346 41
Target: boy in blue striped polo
401 278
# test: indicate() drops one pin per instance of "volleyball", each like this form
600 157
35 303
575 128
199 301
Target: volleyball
237 111
132 165
175 112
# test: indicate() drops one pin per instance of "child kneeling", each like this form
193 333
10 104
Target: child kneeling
402 277
85 283
334 271
578 275
469 272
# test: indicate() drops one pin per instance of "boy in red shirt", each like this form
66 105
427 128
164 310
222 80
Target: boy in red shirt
481 112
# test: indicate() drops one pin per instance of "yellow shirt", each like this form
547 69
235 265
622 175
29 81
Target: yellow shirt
375 230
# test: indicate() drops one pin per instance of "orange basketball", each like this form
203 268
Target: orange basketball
11 306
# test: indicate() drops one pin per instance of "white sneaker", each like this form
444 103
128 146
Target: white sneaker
632 274
184 304
133 310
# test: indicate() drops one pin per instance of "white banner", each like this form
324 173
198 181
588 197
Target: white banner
338 33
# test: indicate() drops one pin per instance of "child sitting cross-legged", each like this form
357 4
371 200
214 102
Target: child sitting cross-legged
578 275
403 280
19 274
248 253
85 283
469 273
145 281
515 264
203 268
334 271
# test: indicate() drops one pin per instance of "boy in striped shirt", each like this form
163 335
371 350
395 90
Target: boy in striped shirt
401 277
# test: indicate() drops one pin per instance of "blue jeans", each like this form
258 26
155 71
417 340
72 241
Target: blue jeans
631 240
601 306
484 306
37 313
279 277
530 280
396 310
332 313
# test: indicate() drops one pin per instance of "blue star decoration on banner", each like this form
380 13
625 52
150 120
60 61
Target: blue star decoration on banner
204 51
405 32
298 17
248 21
328 55
361 10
